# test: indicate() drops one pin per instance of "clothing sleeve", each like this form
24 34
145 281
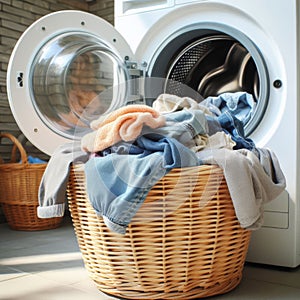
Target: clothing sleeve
52 189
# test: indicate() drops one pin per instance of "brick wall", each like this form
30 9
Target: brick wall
15 17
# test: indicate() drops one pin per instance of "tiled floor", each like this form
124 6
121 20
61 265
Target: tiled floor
47 265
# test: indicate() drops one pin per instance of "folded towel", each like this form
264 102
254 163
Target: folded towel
125 123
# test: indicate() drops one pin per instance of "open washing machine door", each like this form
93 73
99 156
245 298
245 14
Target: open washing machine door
67 69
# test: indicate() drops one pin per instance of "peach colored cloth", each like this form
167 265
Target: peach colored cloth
125 123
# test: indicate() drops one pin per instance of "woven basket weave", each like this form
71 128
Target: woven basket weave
184 243
19 186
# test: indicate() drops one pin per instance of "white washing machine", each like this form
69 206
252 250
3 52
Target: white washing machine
184 35
70 66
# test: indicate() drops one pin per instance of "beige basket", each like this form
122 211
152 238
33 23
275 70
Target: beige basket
184 243
19 186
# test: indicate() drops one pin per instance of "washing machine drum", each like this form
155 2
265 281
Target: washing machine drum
211 61
214 65
70 67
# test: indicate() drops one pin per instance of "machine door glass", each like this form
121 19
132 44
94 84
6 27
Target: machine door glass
67 69
74 79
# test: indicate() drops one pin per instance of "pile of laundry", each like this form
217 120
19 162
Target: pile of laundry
133 147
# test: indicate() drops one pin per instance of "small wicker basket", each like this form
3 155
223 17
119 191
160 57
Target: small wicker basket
19 186
184 243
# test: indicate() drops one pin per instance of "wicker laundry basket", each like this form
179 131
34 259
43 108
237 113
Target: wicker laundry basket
184 243
19 186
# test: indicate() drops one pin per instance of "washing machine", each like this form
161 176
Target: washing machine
69 67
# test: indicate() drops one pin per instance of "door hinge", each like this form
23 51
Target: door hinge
136 83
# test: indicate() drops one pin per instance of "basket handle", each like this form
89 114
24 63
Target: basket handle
17 145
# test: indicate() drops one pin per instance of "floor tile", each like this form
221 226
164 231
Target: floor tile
7 273
34 287
90 287
260 290
67 275
282 276
32 261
